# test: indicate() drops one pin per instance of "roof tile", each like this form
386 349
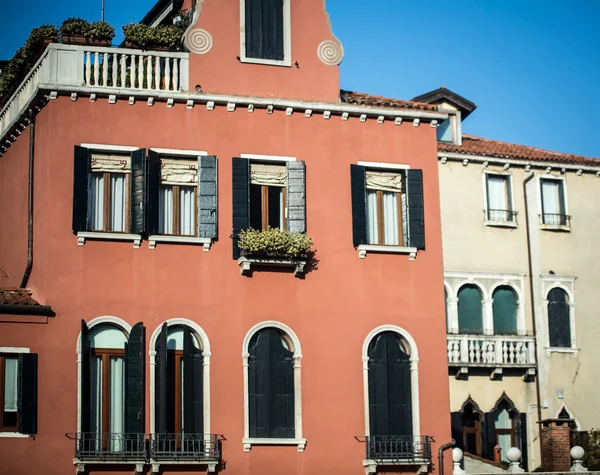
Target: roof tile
16 297
362 99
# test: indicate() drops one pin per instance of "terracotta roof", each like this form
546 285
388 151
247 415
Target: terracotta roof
494 148
16 297
361 99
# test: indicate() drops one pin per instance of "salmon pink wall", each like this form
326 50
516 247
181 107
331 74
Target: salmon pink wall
332 310
219 70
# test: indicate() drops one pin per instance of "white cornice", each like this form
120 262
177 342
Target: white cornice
462 157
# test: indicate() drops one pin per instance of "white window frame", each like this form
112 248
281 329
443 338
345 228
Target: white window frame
566 283
298 440
13 350
414 377
510 191
82 236
204 342
154 238
455 118
553 227
287 38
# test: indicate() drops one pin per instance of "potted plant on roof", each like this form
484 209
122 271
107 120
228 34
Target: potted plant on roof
73 31
137 35
273 247
44 35
100 33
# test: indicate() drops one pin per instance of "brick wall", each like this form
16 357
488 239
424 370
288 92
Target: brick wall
556 445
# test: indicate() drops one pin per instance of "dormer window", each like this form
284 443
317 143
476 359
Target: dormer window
265 32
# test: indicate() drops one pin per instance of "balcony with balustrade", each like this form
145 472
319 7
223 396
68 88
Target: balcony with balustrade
498 354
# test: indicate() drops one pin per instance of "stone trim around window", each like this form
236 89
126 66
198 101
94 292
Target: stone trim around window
97 236
14 350
363 249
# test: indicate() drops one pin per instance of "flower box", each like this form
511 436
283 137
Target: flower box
247 263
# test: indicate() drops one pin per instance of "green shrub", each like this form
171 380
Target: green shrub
274 242
137 34
590 441
100 30
74 26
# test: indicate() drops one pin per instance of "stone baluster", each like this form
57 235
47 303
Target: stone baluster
115 67
88 69
577 454
96 69
105 69
175 75
149 72
133 71
123 69
141 73
167 74
157 73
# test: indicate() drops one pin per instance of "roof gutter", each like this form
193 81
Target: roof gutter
11 309
29 265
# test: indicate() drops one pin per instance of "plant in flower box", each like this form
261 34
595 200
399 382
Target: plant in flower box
137 35
274 243
73 31
100 33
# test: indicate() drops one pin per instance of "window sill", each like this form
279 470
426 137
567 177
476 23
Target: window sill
13 435
135 238
371 465
246 263
572 351
501 224
556 227
248 443
80 464
269 62
211 466
153 239
364 248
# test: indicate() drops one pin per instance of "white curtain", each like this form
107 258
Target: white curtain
497 193
10 384
372 230
96 399
117 404
551 196
165 210
504 440
96 202
186 211
270 175
118 202
390 218
385 181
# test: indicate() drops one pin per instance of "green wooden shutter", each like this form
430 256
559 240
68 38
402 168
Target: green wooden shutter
193 407
152 192
85 394
504 308
28 393
416 214
470 311
489 436
134 380
379 406
160 391
240 200
138 192
264 29
81 166
358 189
456 424
207 197
281 413
399 387
522 440
259 390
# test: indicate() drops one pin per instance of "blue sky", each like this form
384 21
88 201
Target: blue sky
531 66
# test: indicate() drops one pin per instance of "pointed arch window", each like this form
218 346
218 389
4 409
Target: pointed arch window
504 307
470 310
559 319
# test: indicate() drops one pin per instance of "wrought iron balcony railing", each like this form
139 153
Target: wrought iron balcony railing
398 449
93 446
555 219
501 215
188 447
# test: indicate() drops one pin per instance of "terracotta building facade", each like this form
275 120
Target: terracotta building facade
137 335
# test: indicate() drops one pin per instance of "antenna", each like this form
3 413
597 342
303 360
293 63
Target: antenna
102 10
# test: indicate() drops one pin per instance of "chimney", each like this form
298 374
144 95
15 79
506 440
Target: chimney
556 444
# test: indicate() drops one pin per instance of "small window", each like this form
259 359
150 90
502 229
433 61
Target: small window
9 392
445 130
18 393
268 196
559 319
178 197
386 207
499 199
108 193
470 311
554 212
265 30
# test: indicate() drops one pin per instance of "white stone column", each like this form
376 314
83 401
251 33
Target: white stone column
488 317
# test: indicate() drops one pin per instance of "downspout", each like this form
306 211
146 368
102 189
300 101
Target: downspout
30 202
441 450
531 294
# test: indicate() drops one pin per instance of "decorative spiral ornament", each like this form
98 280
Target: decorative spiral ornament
198 41
330 52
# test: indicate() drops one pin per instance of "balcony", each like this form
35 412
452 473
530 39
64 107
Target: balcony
389 450
62 67
555 222
501 217
93 448
185 449
494 352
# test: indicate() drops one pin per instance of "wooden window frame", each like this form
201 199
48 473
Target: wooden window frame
264 199
108 202
380 218
477 432
105 355
4 428
175 189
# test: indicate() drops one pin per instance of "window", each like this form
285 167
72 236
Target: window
554 211
499 198
265 32
471 429
445 131
559 319
387 207
505 425
105 197
112 396
272 387
178 200
268 194
504 308
18 393
470 312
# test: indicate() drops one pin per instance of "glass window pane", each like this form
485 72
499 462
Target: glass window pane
96 202
551 201
10 384
256 207
275 207
96 395
187 210
444 131
390 218
118 202
117 402
165 210
372 228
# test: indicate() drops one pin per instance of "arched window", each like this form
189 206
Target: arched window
505 423
471 419
504 306
390 397
470 313
272 409
559 320
111 386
